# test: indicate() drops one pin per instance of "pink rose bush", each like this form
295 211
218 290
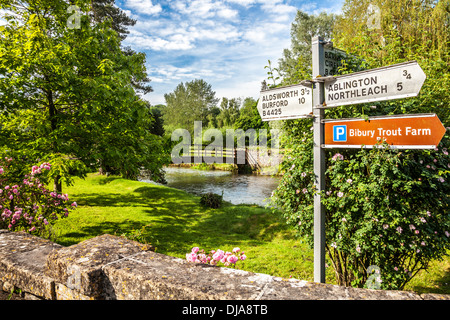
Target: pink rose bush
215 257
28 205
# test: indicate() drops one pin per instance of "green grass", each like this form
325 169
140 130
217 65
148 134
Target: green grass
174 221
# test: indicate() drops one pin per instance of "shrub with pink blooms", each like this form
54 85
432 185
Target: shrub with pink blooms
25 202
214 257
384 207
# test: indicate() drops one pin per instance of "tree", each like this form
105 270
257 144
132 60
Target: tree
249 117
295 65
384 207
103 10
68 94
190 101
229 112
157 127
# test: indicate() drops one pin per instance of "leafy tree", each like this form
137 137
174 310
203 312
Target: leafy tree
295 65
384 207
103 10
157 127
190 101
249 117
67 93
229 112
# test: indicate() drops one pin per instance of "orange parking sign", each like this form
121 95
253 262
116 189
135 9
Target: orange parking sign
418 131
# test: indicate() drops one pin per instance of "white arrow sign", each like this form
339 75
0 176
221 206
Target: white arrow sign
393 82
291 102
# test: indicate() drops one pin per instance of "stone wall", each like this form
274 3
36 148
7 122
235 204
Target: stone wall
114 268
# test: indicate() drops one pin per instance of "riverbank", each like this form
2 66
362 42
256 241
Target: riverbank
174 221
205 166
265 171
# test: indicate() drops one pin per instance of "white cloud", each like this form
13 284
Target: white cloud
198 10
141 41
144 6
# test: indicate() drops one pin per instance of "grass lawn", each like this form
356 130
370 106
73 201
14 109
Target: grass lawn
174 221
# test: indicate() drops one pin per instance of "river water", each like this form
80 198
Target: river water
236 188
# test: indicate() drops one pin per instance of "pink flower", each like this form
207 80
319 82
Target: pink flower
358 248
243 257
32 229
399 229
338 156
191 257
74 204
349 181
340 194
385 226
218 255
1 170
236 250
232 259
195 249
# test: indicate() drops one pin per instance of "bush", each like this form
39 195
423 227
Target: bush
25 203
211 200
384 207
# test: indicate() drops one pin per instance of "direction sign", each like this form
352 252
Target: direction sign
291 102
393 82
333 60
418 131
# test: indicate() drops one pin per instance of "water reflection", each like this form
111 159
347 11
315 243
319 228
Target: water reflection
236 188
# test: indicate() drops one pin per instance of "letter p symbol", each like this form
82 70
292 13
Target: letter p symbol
339 133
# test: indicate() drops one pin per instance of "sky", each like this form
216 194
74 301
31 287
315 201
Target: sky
227 43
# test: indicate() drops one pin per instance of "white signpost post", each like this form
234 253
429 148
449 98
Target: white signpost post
298 101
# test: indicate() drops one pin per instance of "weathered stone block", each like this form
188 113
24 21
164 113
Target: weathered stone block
22 261
79 267
153 276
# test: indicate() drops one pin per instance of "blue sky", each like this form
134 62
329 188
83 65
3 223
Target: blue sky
227 43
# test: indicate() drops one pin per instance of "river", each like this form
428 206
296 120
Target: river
236 188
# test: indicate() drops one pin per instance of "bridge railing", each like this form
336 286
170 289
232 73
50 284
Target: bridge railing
211 154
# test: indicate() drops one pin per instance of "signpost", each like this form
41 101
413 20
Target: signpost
421 131
393 82
417 131
333 60
291 102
